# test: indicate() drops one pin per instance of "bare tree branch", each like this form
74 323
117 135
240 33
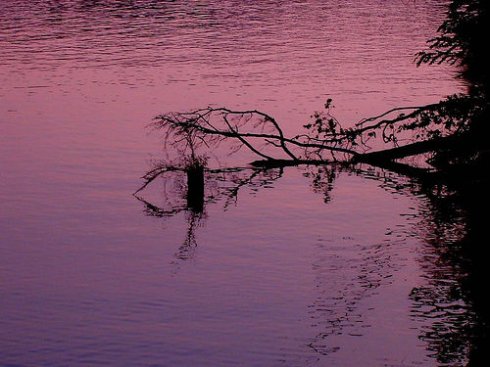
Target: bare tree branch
261 134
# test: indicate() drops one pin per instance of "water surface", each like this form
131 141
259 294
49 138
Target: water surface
291 274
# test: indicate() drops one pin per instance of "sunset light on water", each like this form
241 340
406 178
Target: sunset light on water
304 265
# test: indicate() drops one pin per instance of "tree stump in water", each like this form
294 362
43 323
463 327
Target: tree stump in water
195 187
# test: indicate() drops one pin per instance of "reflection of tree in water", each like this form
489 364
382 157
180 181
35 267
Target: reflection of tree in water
441 300
449 307
451 298
359 272
359 269
221 186
348 273
322 180
188 247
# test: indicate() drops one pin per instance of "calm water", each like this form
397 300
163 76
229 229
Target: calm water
302 268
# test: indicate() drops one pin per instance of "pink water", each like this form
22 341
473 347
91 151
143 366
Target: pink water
280 277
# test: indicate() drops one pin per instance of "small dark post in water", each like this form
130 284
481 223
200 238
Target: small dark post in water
195 187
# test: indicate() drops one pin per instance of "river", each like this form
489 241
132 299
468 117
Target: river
303 267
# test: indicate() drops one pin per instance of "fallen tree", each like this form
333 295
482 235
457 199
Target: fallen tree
403 131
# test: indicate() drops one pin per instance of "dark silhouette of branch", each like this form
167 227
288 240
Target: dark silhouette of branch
421 128
253 129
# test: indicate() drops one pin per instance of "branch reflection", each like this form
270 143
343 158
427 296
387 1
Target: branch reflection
220 186
448 308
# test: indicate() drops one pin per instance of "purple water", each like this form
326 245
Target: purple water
279 277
